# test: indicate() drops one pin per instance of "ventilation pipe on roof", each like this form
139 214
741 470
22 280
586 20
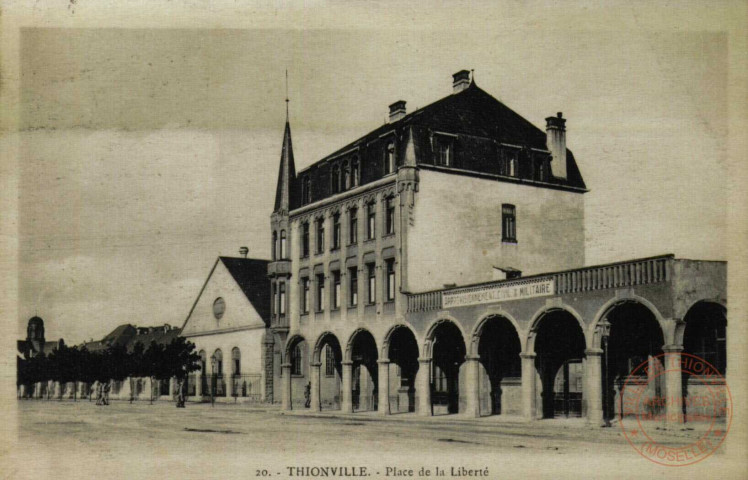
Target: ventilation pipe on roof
555 130
460 81
397 111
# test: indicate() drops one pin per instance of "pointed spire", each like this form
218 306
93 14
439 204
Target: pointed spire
287 169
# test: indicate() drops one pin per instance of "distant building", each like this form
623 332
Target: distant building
35 343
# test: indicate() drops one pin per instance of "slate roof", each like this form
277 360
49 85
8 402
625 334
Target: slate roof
481 120
251 276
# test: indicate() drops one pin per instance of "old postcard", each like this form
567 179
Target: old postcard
385 240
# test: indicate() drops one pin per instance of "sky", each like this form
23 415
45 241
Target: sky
146 152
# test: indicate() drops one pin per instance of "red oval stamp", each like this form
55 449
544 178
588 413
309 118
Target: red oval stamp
675 409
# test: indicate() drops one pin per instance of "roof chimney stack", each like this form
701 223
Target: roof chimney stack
243 251
397 111
460 81
555 131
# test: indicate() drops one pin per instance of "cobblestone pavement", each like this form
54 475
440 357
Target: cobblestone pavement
65 439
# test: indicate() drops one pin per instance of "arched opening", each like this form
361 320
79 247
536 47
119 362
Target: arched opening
218 383
705 337
559 348
403 355
300 385
635 338
448 354
365 373
330 357
500 384
203 373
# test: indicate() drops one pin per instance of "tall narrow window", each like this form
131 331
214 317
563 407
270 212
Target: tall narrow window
444 151
371 220
329 361
336 231
236 359
508 223
282 298
355 172
296 358
283 252
306 190
390 280
346 176
320 293
335 290
305 239
305 295
320 235
274 298
389 158
390 216
353 226
353 286
511 165
372 283
274 249
335 179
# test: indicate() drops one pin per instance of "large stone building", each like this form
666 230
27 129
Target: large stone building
436 265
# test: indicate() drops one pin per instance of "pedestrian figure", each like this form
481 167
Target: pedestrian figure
180 394
308 395
105 397
99 397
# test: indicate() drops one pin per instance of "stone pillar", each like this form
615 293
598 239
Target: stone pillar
528 385
593 386
230 384
384 387
346 404
286 374
423 389
472 386
673 385
314 372
198 386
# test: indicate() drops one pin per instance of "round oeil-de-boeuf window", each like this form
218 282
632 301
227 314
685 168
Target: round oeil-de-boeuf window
219 307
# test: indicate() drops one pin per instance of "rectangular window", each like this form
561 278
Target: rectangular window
320 293
320 235
508 223
282 298
296 360
329 361
353 226
444 151
372 283
283 252
305 295
335 290
390 280
274 296
353 286
305 239
336 231
371 222
390 216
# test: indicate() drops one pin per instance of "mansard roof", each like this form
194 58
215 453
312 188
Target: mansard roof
472 114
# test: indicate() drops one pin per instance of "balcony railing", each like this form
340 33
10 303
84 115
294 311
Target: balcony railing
615 275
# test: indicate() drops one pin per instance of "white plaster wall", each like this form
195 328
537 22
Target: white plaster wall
249 343
456 237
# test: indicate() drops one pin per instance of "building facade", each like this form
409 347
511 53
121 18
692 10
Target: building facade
436 265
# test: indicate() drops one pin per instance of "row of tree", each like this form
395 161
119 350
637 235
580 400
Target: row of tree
77 364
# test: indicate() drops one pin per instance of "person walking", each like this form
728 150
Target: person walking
308 395
105 396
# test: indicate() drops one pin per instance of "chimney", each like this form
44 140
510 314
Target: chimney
460 81
397 111
555 130
243 251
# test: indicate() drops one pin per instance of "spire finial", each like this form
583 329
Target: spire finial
286 95
472 75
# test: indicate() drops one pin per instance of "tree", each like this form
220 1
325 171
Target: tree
153 363
180 359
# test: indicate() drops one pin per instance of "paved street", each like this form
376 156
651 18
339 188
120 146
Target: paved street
80 440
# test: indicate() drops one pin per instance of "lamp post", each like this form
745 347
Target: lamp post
604 327
213 361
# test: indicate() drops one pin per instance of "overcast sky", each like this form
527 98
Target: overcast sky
145 153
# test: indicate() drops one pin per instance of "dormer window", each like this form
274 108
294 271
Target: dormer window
509 167
306 191
346 176
444 150
355 172
335 179
389 158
